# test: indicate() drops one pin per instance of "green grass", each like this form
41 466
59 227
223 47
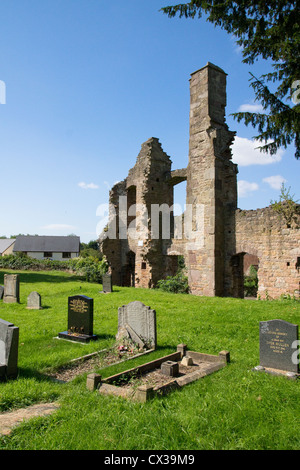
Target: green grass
235 408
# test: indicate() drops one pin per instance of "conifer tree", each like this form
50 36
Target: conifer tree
267 29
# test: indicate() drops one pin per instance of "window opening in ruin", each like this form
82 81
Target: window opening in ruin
179 201
144 265
179 198
131 206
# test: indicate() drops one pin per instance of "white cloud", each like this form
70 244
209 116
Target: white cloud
275 181
237 49
245 187
251 108
58 227
245 153
88 185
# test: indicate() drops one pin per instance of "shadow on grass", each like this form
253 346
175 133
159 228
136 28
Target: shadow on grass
107 293
37 276
29 373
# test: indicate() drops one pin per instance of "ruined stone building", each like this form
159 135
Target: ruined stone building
144 239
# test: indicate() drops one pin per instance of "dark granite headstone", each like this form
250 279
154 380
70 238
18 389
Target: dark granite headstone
278 346
1 292
107 283
80 319
9 346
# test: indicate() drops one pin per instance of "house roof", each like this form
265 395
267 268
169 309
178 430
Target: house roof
6 243
34 243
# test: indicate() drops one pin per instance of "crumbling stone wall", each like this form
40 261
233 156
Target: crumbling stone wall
137 259
262 233
140 254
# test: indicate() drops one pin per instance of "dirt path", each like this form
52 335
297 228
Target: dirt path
10 419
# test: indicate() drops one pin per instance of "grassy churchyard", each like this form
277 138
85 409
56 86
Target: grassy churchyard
234 408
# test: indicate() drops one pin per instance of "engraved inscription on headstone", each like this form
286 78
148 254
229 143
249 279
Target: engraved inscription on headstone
34 301
9 345
11 288
278 342
80 319
137 321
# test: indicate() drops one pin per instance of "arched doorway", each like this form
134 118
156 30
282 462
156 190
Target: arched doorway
128 271
244 275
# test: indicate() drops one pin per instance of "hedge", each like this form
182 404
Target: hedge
92 269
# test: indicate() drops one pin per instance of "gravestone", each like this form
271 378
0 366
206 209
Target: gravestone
138 322
34 301
80 319
107 283
11 288
9 345
1 292
278 347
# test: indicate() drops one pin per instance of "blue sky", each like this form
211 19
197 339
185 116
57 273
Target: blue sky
86 83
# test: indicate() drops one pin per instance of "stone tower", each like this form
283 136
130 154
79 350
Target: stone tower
211 182
211 187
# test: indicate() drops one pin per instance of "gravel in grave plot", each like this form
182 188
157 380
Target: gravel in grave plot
156 379
97 361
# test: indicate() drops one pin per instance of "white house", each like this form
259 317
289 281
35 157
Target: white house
6 246
48 247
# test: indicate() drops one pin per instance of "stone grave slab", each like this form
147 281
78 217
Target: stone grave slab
278 348
1 292
80 319
138 322
34 301
11 288
9 347
143 382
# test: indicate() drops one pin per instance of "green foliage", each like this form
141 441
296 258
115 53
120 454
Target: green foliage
286 207
90 268
90 249
270 30
232 409
177 284
251 283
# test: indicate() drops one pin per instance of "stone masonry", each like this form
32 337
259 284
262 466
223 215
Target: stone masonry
143 239
264 234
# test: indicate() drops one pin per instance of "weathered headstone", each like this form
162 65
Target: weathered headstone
107 283
34 301
1 292
137 321
11 288
80 319
9 345
278 347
